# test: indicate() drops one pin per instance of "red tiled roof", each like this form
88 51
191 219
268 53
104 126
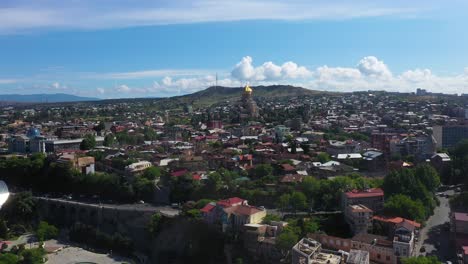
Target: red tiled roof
245 210
230 202
396 220
374 192
207 208
179 173
461 216
199 137
287 167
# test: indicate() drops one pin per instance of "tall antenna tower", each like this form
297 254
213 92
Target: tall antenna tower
216 83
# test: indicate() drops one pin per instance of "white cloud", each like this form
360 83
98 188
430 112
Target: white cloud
90 14
417 75
58 86
271 71
169 86
149 74
7 81
326 73
123 88
291 70
370 73
371 66
268 71
244 70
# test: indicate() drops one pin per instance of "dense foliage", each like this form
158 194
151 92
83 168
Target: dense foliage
46 231
414 190
42 175
90 236
421 260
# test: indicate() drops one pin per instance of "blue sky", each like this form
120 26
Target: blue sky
113 49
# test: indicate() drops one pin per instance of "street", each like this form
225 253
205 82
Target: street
435 236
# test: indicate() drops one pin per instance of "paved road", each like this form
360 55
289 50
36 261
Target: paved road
71 254
166 210
435 235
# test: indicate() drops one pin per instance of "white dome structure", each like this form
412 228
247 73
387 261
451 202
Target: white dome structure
4 193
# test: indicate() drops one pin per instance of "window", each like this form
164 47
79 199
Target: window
378 256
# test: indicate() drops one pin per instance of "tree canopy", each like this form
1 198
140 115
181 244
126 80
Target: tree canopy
89 142
421 260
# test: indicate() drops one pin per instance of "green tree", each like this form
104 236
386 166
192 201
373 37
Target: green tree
286 240
109 140
262 170
89 142
428 176
21 207
32 256
155 223
284 200
149 133
152 173
404 206
309 226
144 188
421 260
9 258
298 201
99 127
3 229
323 157
46 231
271 217
202 202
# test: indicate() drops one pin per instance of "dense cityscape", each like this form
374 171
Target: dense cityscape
362 177
233 132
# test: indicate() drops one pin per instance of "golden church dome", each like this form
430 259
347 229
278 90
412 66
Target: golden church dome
247 89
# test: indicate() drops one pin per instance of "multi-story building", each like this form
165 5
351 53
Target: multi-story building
138 167
215 124
84 164
58 145
356 256
336 147
403 240
380 248
232 213
441 162
309 251
421 147
459 233
459 222
381 141
359 218
448 136
18 144
38 143
370 198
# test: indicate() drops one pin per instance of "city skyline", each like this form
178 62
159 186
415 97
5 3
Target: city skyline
170 48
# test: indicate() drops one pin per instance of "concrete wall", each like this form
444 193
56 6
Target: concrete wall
128 222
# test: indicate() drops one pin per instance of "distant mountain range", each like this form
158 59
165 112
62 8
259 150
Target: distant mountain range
44 98
208 96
